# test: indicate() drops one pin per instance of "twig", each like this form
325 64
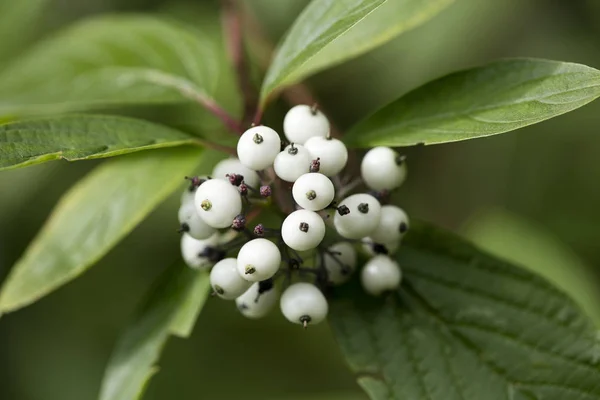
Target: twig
216 146
232 25
189 90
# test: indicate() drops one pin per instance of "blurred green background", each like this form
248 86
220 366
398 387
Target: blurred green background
531 196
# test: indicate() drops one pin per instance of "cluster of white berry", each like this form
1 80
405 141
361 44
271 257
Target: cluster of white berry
307 166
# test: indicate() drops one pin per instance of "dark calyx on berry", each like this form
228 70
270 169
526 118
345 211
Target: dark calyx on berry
343 210
239 222
379 248
315 165
265 191
235 179
259 230
195 182
403 227
213 254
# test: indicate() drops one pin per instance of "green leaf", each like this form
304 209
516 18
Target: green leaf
81 137
503 233
110 61
321 22
92 217
483 101
177 299
18 22
391 19
465 325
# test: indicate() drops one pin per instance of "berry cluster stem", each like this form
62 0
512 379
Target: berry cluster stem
232 25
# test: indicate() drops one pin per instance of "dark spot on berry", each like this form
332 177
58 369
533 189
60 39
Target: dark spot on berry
183 228
212 254
219 290
303 227
258 139
343 210
305 319
293 150
311 195
235 179
379 248
403 227
363 208
242 307
265 286
315 165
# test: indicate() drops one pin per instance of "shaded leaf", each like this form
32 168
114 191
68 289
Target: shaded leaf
81 137
177 299
391 19
465 325
92 217
112 61
503 233
321 22
18 21
483 101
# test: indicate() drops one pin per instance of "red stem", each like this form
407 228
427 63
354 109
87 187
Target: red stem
232 24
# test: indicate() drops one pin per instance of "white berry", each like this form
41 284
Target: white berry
230 166
303 303
374 248
380 274
192 250
292 162
332 154
363 218
253 304
258 260
188 195
393 225
340 262
218 202
225 280
313 191
383 169
303 122
190 222
258 147
303 230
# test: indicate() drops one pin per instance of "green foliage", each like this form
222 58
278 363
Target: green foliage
496 98
110 61
322 22
389 20
81 137
465 325
504 234
18 22
91 218
171 308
